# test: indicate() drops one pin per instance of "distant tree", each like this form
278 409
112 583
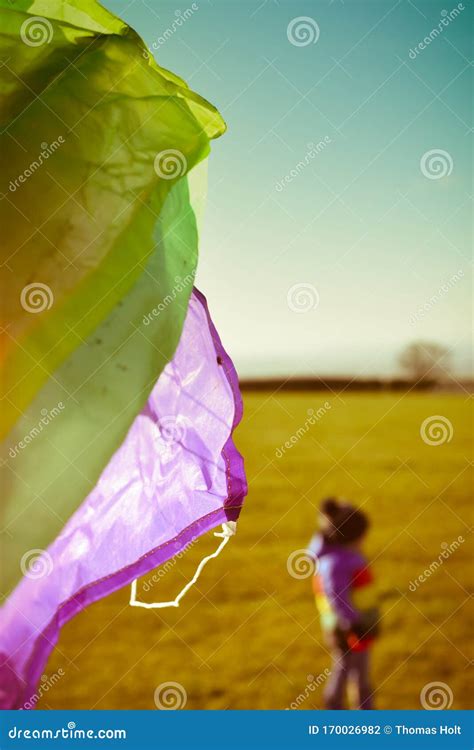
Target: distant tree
423 360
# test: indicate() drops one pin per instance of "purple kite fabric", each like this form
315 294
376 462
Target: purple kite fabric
176 476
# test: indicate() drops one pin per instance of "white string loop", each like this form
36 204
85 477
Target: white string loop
228 530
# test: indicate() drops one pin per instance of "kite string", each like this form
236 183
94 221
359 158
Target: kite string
228 530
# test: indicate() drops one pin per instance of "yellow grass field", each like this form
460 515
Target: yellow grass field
248 636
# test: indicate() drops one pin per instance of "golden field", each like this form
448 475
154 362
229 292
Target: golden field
247 636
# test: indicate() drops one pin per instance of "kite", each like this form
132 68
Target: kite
119 401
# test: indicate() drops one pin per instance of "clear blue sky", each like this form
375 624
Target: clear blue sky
359 222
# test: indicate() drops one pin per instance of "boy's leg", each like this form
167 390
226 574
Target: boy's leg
359 678
334 692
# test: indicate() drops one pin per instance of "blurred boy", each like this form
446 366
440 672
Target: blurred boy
343 590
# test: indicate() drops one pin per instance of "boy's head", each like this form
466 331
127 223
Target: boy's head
341 522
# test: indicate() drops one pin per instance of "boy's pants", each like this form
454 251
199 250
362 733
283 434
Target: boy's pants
349 668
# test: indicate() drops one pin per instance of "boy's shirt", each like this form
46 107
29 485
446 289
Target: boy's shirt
344 593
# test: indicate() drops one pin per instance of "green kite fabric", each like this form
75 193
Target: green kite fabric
98 230
96 134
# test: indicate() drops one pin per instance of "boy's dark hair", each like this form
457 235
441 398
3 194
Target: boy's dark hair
341 522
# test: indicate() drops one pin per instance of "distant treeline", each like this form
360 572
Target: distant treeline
352 384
